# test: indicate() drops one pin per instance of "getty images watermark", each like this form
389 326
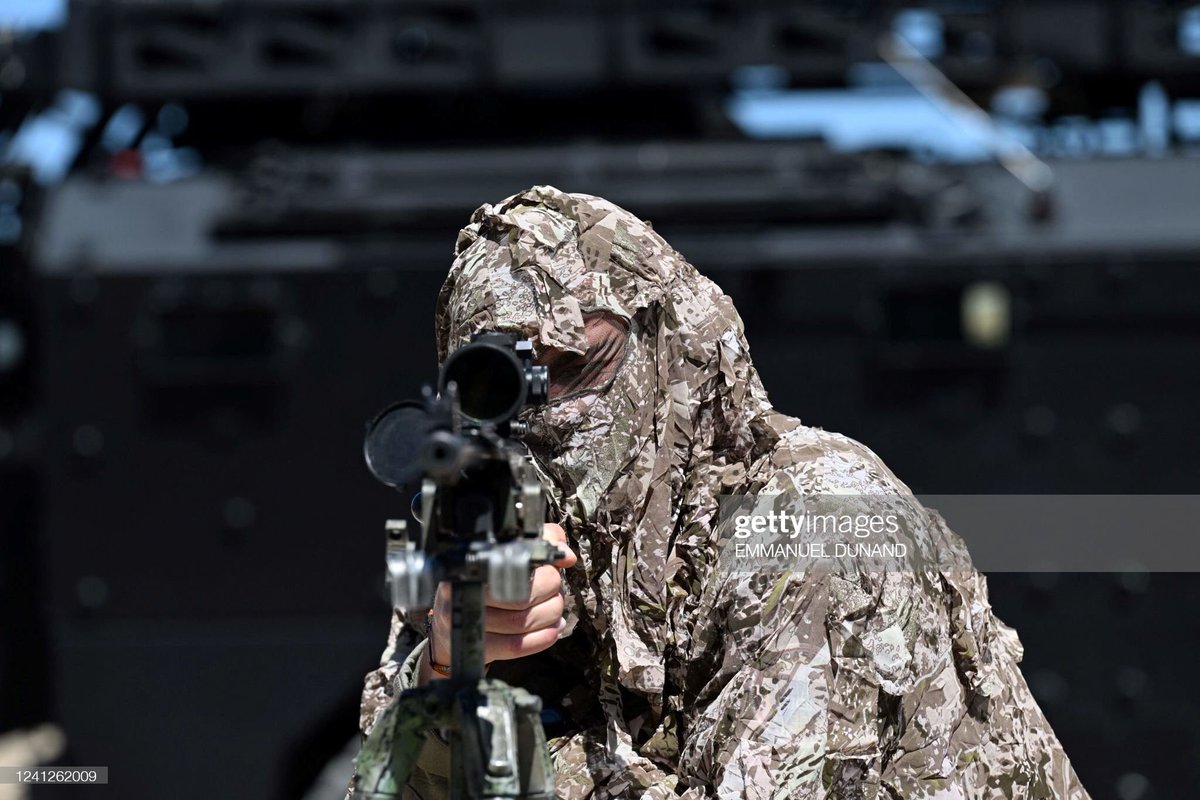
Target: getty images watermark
789 531
992 533
816 535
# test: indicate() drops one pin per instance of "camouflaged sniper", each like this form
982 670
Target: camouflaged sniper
690 681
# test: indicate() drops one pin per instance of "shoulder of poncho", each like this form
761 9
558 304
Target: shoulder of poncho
816 460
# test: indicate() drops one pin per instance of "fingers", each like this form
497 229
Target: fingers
546 583
509 633
503 647
542 615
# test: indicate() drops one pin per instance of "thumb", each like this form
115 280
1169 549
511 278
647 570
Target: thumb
554 532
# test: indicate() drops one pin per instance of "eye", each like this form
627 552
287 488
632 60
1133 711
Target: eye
577 372
565 368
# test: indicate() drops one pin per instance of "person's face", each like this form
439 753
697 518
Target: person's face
573 374
589 427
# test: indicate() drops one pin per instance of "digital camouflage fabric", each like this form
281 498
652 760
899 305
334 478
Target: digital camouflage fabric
688 680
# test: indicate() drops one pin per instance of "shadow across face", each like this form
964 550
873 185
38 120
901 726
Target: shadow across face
576 373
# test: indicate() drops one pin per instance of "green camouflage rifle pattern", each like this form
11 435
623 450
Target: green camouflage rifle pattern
704 682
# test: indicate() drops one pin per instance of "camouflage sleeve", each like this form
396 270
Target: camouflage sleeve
868 686
761 710
761 725
978 724
429 779
379 685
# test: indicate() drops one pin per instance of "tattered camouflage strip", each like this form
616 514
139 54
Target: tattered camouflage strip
701 682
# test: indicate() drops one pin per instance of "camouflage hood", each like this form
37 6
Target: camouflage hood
629 463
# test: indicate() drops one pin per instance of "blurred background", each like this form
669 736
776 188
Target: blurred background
964 232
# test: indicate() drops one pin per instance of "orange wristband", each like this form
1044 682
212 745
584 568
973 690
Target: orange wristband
440 669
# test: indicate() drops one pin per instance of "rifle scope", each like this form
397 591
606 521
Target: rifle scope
495 376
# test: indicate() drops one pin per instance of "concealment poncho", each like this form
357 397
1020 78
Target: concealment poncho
692 681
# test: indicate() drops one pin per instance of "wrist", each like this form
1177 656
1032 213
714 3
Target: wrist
425 673
436 668
432 666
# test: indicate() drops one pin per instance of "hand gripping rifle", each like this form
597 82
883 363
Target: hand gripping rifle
482 512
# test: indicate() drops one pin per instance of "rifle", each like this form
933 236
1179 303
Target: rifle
481 511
